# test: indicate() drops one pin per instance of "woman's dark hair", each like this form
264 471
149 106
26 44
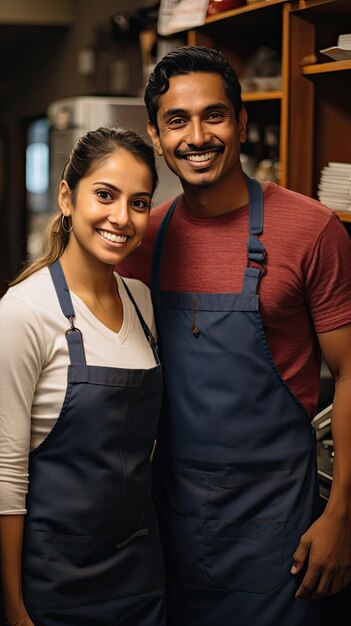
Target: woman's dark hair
183 61
88 153
97 145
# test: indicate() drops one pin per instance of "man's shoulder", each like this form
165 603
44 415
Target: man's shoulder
158 212
283 197
138 263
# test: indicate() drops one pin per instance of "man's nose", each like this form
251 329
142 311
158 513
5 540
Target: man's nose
198 134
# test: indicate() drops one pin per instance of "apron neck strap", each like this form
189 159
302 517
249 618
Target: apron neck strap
156 259
148 334
255 206
256 252
73 335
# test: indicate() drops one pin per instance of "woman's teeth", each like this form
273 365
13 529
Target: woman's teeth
112 237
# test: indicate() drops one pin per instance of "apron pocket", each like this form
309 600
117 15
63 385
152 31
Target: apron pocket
62 543
67 571
245 555
183 538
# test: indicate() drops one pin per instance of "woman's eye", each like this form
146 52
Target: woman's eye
140 205
104 195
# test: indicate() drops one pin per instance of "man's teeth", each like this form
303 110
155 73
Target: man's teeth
112 237
199 158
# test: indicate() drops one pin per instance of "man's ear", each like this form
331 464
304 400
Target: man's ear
242 125
153 134
64 198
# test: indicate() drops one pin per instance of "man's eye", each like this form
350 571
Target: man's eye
177 121
215 116
104 195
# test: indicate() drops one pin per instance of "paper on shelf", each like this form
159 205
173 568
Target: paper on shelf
177 15
336 53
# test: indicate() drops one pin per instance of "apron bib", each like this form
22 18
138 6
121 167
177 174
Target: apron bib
235 469
91 546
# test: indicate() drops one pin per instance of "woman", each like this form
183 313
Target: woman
80 392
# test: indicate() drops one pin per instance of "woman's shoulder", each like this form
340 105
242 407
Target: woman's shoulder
29 288
32 295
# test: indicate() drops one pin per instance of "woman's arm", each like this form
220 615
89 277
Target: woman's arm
20 365
11 537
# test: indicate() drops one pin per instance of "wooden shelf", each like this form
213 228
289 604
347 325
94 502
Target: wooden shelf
311 115
222 15
323 68
345 216
253 96
321 7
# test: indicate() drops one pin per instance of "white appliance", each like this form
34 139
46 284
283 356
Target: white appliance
69 118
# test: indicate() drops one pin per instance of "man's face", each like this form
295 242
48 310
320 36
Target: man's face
199 135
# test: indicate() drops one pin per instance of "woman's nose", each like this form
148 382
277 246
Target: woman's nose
119 214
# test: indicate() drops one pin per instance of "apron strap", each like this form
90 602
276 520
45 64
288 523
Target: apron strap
73 335
256 252
148 334
156 259
255 249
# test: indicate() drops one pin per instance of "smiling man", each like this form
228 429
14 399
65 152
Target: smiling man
251 283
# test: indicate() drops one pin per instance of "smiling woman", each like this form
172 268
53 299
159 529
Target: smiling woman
85 444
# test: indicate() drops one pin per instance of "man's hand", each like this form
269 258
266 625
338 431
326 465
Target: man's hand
325 549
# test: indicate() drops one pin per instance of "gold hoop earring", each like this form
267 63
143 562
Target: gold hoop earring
67 230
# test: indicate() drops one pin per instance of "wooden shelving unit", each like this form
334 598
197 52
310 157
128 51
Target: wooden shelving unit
345 216
320 93
255 96
239 33
323 68
312 107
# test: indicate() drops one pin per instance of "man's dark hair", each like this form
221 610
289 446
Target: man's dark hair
183 61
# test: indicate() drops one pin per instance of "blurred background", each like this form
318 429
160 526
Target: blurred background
65 66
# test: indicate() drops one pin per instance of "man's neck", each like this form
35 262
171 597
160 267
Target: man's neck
218 199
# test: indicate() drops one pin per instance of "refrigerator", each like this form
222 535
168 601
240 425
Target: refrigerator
69 118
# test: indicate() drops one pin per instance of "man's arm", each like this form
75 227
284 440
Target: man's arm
325 548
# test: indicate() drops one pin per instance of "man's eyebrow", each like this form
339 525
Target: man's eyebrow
178 111
171 112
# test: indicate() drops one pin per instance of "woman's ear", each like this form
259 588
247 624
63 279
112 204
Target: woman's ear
153 134
64 198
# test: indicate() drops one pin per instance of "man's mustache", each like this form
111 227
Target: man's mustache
206 147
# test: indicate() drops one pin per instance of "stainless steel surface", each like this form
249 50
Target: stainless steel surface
70 118
325 450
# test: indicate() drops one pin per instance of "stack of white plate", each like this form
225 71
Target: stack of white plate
344 41
334 189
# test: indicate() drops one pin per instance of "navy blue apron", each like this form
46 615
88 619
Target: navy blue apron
91 545
235 468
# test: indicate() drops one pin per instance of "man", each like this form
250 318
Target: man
246 297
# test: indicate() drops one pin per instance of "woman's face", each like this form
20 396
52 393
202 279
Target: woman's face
111 210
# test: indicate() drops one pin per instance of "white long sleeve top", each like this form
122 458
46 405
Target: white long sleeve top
33 366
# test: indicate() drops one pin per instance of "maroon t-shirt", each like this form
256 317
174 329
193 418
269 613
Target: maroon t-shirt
307 287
